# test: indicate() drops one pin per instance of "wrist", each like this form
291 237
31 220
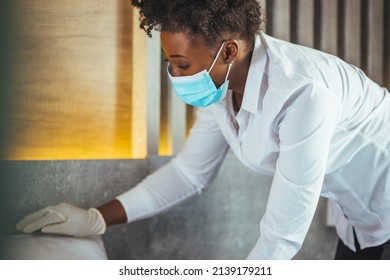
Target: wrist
113 212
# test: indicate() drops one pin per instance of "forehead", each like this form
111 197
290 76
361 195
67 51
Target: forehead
181 43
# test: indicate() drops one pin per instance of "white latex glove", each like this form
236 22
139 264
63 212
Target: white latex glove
64 219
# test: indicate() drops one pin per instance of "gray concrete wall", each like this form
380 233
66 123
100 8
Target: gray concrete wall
223 223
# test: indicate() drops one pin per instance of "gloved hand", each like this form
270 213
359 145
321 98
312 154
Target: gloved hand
64 219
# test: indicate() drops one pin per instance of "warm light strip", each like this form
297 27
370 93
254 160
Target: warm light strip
138 91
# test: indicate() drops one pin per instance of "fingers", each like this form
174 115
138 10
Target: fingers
64 218
31 218
59 228
39 220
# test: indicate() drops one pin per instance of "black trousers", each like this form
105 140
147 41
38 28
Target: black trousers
381 252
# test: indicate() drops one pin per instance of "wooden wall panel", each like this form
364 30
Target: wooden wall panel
278 24
373 39
78 88
165 137
355 30
138 79
326 22
180 118
176 118
73 63
350 31
302 22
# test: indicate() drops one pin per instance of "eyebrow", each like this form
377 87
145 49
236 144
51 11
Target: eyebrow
173 55
177 55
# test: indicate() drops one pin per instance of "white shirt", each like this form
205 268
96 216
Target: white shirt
318 125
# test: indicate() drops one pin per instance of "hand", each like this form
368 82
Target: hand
64 219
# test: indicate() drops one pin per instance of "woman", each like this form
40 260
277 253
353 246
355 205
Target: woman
319 126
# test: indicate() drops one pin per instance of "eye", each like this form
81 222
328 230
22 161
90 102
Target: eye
180 66
184 67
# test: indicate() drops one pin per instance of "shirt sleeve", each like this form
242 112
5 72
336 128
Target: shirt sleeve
305 127
187 175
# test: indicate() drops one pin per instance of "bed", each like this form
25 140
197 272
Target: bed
51 247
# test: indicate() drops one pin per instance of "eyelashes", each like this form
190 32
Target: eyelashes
183 67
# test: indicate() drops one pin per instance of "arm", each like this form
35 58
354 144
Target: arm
187 175
305 130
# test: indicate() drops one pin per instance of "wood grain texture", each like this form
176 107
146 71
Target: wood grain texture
78 72
350 31
327 26
302 22
73 63
373 39
279 21
355 30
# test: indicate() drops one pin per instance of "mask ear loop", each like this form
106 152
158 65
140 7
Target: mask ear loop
216 57
228 72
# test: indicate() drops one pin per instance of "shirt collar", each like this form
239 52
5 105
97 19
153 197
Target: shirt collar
255 76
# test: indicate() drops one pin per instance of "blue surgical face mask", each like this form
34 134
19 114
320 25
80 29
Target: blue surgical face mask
199 89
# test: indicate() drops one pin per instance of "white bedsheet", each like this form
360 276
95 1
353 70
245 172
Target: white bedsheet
51 247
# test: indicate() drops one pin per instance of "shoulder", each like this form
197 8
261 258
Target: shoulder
298 62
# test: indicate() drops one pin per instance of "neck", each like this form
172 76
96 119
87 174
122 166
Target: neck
239 73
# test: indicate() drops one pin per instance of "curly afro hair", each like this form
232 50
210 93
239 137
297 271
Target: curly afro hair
212 20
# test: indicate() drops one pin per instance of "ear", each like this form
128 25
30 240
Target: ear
231 51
